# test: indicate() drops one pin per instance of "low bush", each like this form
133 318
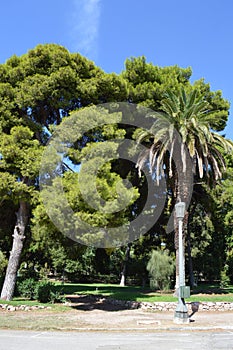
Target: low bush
44 291
224 279
27 288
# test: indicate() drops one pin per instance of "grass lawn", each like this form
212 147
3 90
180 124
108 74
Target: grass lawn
17 301
201 293
61 317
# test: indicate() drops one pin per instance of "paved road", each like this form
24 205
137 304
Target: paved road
23 340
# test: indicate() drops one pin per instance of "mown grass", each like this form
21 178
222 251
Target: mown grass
201 293
17 301
133 293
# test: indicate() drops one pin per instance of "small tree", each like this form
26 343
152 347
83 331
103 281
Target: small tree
160 267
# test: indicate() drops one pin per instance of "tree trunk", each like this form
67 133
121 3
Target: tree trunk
15 254
124 269
176 240
190 261
189 249
183 185
182 194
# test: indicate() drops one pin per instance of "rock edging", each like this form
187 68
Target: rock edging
150 306
171 306
203 306
7 307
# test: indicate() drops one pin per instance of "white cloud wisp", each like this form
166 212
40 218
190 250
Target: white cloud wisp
85 27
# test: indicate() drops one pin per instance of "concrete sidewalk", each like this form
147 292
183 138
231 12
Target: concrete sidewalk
118 320
137 320
159 321
199 321
100 314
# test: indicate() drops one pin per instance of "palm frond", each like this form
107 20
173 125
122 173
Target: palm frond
191 145
143 157
191 99
183 157
199 164
215 168
186 116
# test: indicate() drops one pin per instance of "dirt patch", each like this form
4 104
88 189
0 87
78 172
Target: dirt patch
83 313
88 303
90 313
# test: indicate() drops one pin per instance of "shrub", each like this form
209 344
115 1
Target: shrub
27 288
3 263
160 267
57 297
44 290
224 279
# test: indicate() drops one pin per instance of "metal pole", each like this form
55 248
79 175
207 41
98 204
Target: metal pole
181 255
181 313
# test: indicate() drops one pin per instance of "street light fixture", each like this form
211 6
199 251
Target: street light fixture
181 313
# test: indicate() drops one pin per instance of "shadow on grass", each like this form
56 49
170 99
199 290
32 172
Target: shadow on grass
211 290
96 296
115 292
90 302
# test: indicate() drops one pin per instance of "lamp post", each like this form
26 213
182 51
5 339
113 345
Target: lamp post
181 313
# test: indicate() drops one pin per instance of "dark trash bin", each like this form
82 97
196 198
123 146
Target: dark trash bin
195 307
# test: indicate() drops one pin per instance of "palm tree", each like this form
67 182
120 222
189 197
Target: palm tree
182 147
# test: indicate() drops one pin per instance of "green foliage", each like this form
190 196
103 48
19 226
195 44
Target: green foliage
27 288
161 267
224 279
45 291
229 262
71 263
148 83
39 91
3 263
27 270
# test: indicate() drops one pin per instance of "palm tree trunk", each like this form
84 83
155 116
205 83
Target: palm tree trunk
182 193
15 254
176 240
190 261
189 248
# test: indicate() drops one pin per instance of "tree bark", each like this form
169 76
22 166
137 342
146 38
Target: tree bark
15 254
176 239
182 193
190 261
189 249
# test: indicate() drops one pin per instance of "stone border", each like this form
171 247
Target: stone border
152 306
7 307
203 306
171 306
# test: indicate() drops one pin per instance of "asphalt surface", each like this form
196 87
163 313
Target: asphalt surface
179 340
124 330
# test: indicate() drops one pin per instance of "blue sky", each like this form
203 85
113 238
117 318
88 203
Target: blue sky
197 34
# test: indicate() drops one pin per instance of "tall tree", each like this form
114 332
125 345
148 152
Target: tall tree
21 157
222 196
185 122
36 91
